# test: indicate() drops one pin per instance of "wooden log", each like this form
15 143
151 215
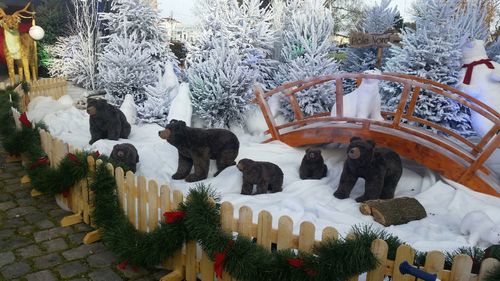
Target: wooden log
393 211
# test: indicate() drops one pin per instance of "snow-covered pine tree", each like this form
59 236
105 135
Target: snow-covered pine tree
229 27
433 51
125 68
221 86
135 57
75 56
304 54
155 108
493 50
211 16
376 19
249 30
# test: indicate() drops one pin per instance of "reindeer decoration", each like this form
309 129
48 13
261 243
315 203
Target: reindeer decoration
18 46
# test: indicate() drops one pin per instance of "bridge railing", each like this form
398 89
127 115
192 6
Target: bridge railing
470 154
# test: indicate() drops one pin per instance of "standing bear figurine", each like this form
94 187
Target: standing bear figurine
380 167
266 175
106 121
364 102
312 165
480 78
197 146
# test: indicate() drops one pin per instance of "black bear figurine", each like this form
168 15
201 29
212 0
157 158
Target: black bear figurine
313 165
106 121
197 146
380 167
266 175
125 154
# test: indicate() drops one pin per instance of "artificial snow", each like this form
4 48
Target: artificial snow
181 107
129 110
446 202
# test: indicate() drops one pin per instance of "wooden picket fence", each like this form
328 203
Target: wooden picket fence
49 87
144 201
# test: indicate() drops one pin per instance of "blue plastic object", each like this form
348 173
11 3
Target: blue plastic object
406 268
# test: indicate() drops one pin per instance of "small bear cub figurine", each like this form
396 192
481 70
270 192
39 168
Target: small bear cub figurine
480 227
266 175
380 167
312 165
125 154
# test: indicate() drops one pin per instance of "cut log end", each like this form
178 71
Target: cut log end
394 211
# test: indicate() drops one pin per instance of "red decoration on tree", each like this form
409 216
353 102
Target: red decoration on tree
97 154
295 262
219 259
65 193
470 68
73 158
299 263
123 265
171 217
24 119
41 161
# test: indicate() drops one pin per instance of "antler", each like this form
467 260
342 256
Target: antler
24 10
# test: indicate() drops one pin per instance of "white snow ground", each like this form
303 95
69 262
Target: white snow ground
446 202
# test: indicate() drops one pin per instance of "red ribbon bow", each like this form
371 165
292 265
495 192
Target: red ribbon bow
73 158
171 217
470 67
299 263
219 259
41 161
24 119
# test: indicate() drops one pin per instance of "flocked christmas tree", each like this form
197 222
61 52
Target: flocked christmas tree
135 58
493 50
304 54
221 86
230 30
433 51
377 19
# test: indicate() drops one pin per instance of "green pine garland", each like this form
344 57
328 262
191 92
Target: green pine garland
143 249
331 260
243 259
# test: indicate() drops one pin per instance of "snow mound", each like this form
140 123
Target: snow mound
129 110
181 107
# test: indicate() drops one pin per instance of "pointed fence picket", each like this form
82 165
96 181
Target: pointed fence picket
144 201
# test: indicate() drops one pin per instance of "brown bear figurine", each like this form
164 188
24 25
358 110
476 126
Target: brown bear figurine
380 167
266 175
197 146
313 165
125 154
106 121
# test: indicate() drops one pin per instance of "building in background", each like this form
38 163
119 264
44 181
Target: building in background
178 31
153 3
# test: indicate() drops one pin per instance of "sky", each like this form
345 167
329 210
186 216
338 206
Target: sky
183 10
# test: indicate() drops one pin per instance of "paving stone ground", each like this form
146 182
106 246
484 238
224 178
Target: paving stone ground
33 246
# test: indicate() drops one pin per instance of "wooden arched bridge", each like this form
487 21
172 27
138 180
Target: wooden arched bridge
443 151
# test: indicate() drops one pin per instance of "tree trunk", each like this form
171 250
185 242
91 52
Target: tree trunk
393 211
